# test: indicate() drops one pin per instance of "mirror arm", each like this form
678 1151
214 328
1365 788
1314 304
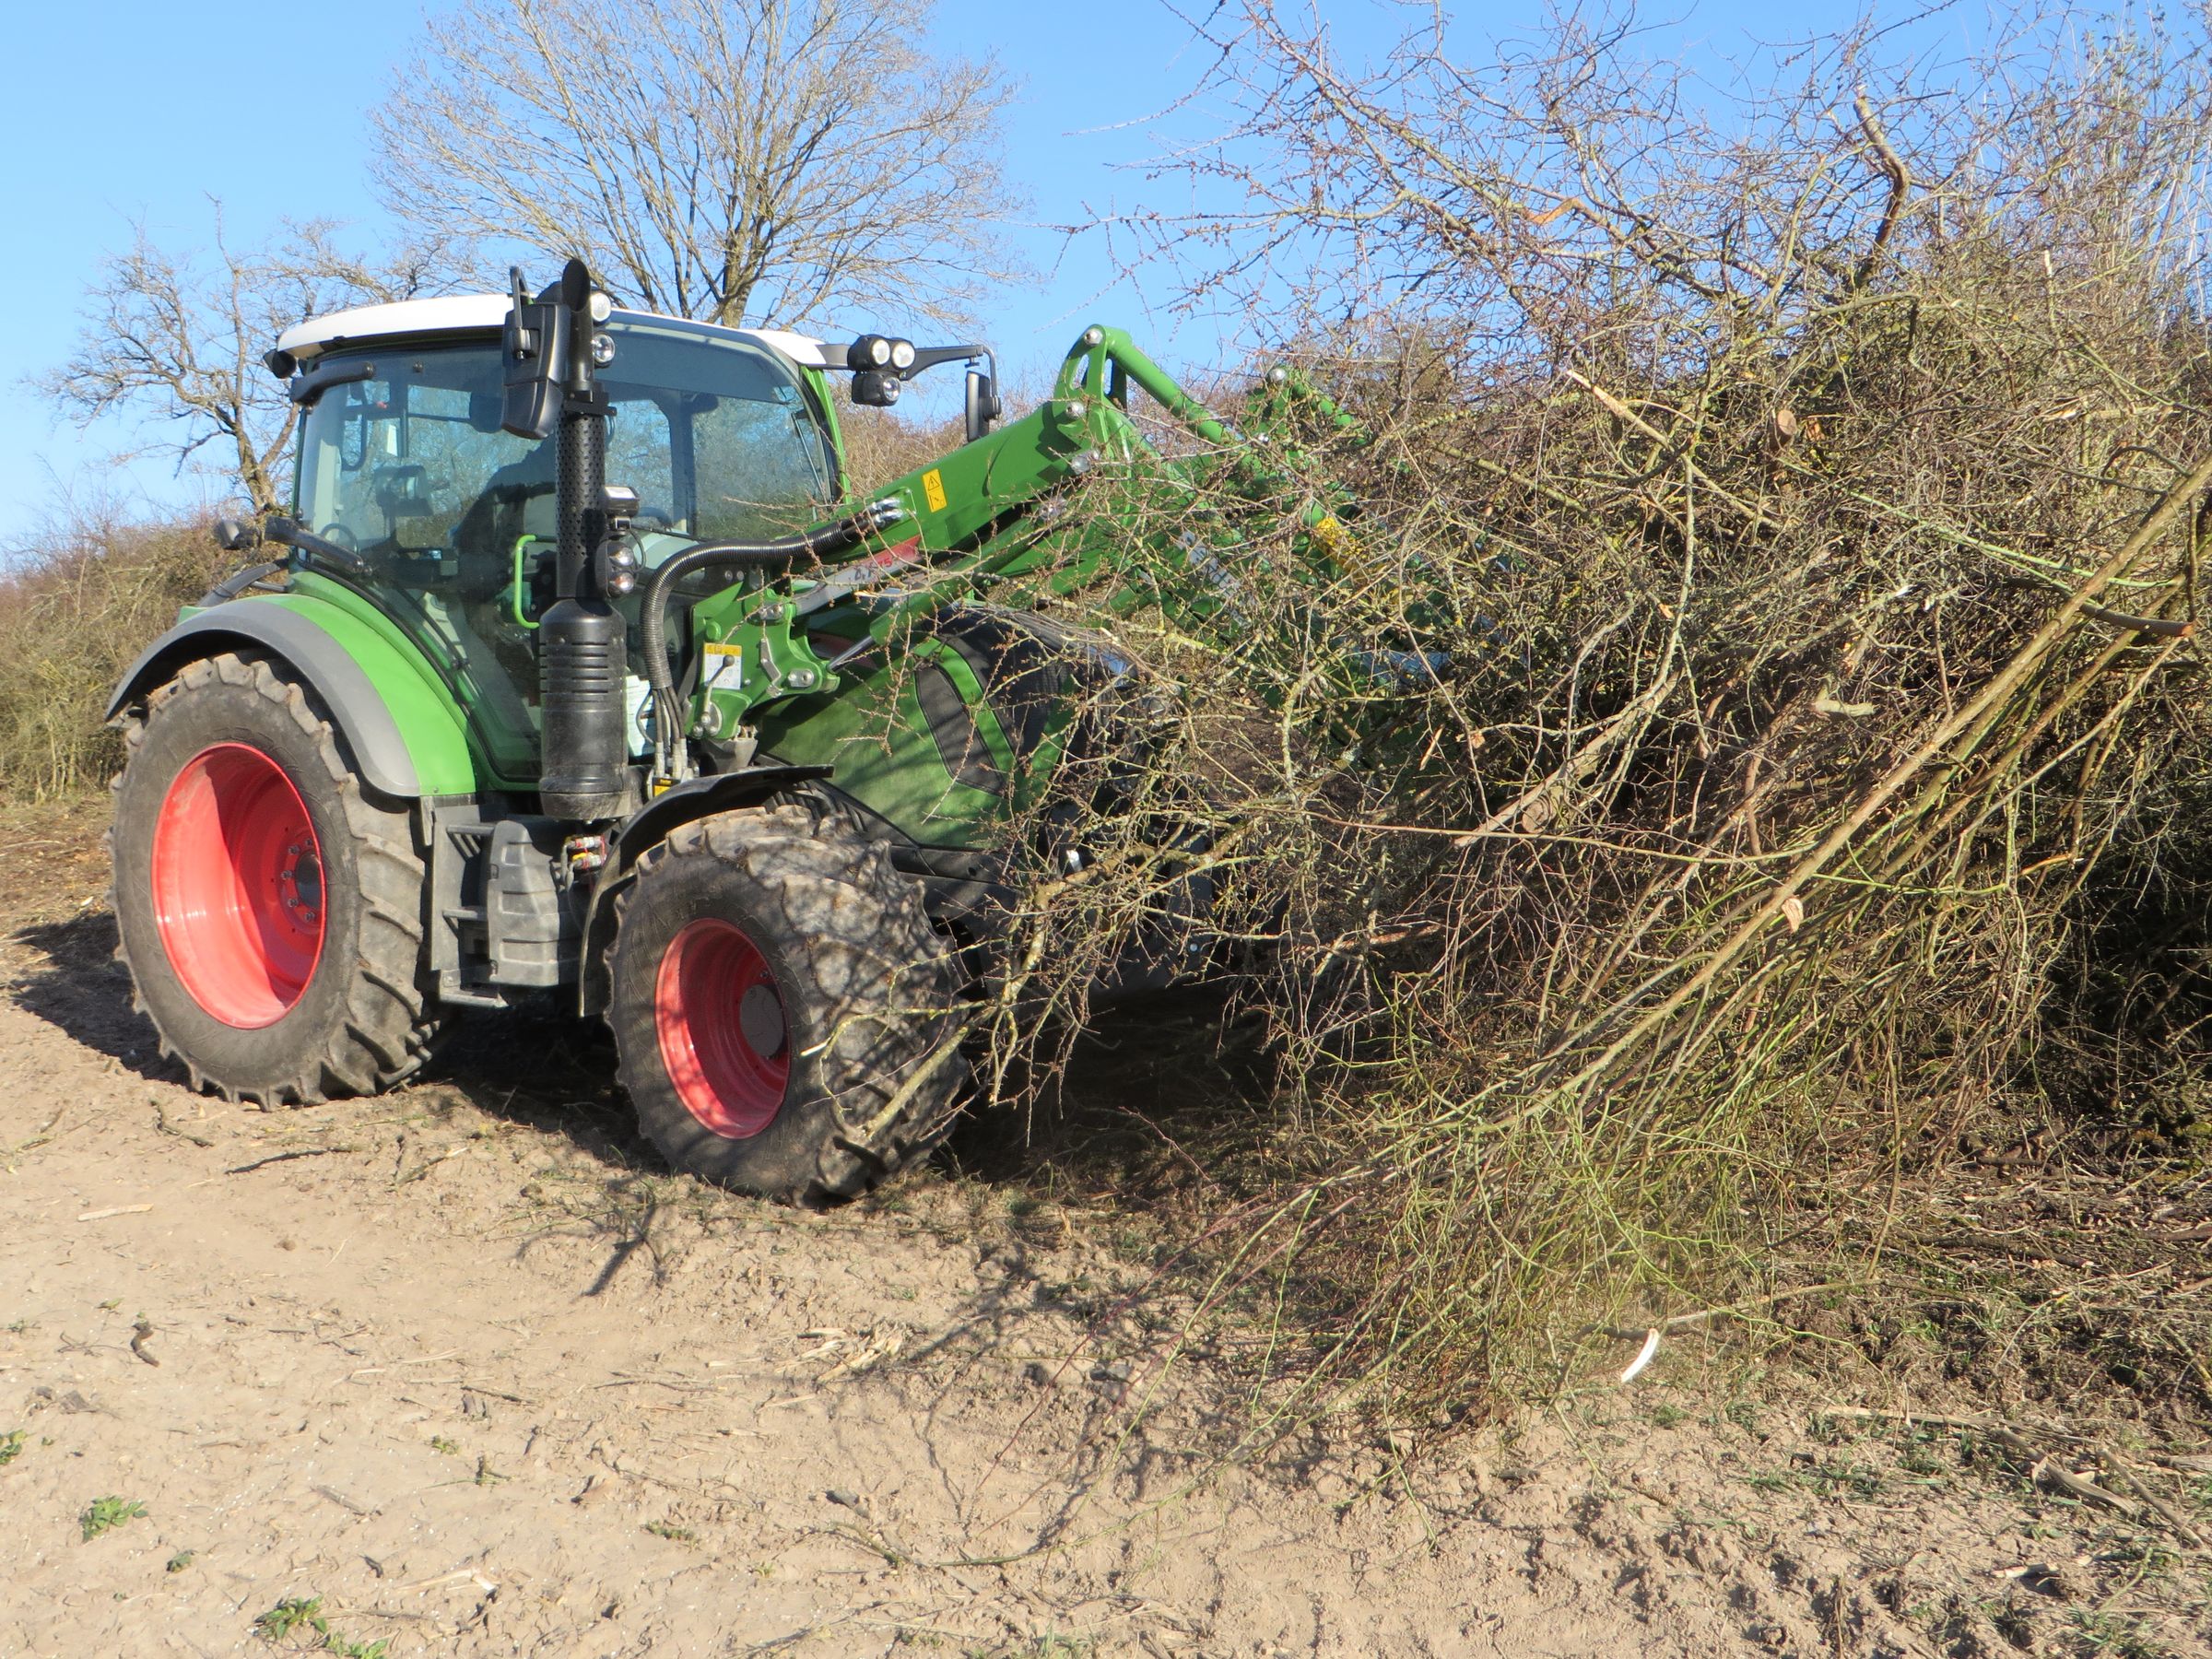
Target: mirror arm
287 533
929 357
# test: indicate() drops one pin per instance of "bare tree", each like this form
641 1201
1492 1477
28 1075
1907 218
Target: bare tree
714 159
179 337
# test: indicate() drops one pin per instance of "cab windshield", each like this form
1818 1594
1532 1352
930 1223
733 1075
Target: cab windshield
715 434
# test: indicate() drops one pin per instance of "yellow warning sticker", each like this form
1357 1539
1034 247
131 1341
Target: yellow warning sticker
725 667
933 489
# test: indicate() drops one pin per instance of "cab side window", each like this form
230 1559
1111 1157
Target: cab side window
759 477
637 457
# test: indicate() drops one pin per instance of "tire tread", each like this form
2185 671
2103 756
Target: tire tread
391 1013
805 853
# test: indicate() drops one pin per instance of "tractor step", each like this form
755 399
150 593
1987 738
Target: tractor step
454 995
507 915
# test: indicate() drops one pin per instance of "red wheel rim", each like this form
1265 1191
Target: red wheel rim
722 1030
237 886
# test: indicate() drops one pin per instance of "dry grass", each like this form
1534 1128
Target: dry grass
881 444
77 605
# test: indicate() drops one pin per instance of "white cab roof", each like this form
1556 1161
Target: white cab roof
475 313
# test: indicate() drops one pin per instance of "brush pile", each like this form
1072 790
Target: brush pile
1757 746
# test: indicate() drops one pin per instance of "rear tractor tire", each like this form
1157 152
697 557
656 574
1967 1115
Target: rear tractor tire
787 1021
269 910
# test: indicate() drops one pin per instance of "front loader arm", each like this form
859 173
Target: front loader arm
994 515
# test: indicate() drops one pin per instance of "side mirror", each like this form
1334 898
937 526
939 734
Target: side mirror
236 536
983 404
535 348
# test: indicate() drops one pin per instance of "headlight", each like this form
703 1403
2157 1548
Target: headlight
870 351
875 389
902 353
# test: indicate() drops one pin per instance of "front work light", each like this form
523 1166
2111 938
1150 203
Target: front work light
875 388
879 351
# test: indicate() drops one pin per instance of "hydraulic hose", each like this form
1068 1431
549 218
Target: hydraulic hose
830 540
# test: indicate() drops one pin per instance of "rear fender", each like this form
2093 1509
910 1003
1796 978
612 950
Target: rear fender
407 738
689 800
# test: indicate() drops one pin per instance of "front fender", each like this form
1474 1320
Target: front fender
407 736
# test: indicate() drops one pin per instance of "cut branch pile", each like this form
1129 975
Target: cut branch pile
1733 761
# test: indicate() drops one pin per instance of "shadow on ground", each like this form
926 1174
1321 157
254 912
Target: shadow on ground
69 977
1127 1112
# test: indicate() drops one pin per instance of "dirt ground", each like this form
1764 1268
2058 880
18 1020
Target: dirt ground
465 1370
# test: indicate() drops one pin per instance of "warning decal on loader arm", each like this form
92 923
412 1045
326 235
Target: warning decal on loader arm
725 667
933 489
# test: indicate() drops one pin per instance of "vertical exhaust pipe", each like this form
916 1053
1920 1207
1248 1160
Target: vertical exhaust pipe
583 771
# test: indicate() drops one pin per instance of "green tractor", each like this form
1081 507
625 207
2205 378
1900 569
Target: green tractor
581 675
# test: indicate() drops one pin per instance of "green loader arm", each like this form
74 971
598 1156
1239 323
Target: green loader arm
978 513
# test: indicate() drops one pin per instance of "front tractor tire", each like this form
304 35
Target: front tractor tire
787 1021
268 908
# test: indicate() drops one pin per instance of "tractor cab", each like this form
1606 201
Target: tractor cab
720 434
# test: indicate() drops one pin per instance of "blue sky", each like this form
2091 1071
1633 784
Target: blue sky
124 109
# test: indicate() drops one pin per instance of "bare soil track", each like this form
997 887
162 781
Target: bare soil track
464 1368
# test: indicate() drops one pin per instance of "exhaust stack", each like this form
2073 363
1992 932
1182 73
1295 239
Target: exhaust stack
552 348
